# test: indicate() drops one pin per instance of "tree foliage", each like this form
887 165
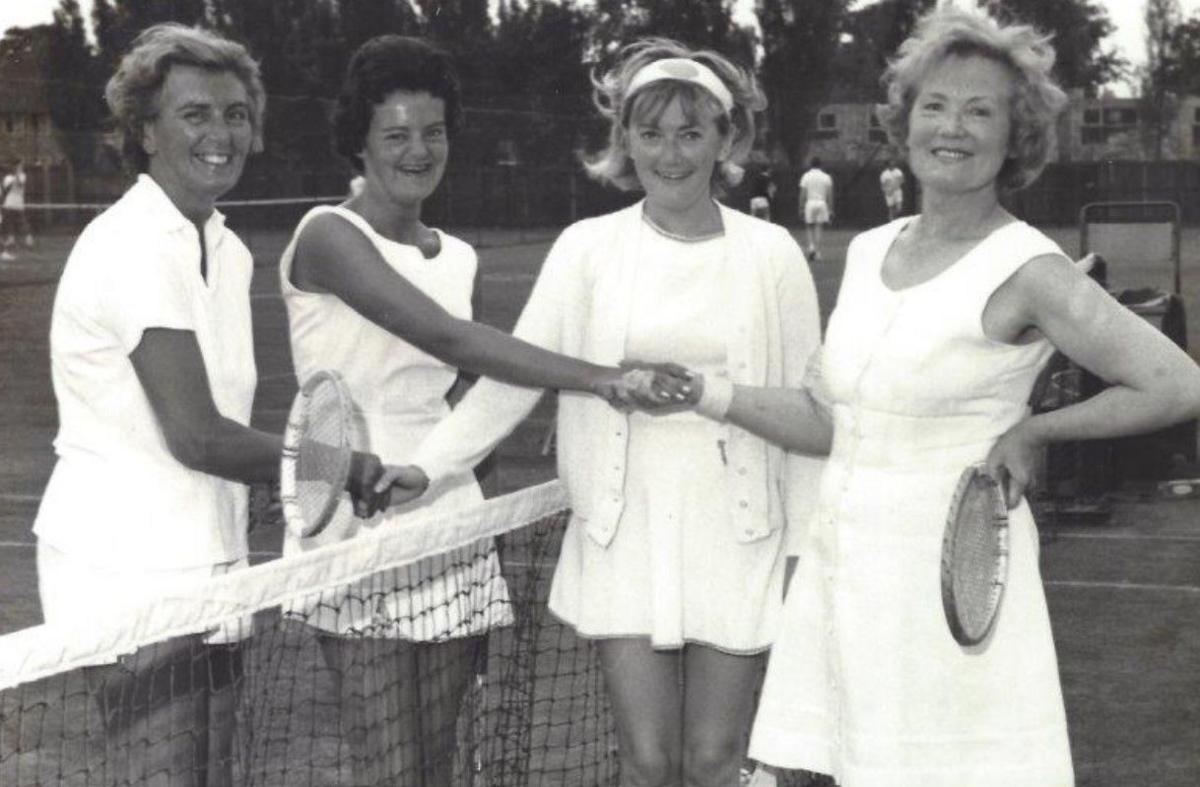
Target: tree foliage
1079 28
523 56
799 41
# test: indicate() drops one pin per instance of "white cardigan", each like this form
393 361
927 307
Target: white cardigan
580 306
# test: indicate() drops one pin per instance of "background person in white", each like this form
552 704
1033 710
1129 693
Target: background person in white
816 204
153 372
673 561
943 322
377 295
12 207
891 183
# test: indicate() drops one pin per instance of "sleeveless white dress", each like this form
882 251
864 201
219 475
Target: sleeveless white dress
865 681
399 394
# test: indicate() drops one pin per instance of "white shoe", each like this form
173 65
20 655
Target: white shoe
7 255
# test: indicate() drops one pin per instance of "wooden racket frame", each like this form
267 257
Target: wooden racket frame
973 475
293 434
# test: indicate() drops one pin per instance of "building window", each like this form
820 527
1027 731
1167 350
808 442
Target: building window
875 131
1100 124
9 123
35 123
826 126
1196 115
1196 136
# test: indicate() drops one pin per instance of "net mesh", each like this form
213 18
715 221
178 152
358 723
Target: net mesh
977 548
422 656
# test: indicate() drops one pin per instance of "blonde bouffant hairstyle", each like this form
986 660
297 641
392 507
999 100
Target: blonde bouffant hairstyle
609 93
1036 102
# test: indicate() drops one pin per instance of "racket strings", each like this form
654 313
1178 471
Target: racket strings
323 452
976 551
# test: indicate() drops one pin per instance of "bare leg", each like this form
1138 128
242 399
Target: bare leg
719 700
160 723
400 703
643 689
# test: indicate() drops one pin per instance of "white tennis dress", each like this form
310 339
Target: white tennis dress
399 394
675 571
865 681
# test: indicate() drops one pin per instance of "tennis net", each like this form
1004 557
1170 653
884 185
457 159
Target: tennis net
420 655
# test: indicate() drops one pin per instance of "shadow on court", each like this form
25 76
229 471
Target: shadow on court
1124 596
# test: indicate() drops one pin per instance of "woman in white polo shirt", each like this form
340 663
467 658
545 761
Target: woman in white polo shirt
674 559
153 371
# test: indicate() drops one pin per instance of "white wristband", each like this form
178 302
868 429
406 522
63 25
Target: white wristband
715 398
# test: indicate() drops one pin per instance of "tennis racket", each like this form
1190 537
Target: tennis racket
974 556
318 443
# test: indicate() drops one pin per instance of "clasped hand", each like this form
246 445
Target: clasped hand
652 387
374 486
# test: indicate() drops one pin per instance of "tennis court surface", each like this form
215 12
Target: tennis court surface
1124 594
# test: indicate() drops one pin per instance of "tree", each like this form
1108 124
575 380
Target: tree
75 88
873 34
1185 73
118 22
1159 103
702 24
799 41
1079 28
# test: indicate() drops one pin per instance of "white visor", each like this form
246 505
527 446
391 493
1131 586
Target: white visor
681 69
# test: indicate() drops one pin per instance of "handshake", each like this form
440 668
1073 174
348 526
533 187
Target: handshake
635 385
652 387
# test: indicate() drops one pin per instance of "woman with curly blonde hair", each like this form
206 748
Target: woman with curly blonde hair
673 561
943 322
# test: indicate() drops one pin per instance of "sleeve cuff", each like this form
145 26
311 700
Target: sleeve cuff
715 398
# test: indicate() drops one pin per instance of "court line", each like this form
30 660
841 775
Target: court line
1124 536
509 278
1072 583
1061 583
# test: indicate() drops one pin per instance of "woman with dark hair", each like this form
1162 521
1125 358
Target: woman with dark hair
379 296
153 366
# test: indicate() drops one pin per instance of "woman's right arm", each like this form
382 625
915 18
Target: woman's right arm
789 417
170 368
334 256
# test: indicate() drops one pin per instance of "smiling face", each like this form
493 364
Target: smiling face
674 155
405 151
958 129
199 138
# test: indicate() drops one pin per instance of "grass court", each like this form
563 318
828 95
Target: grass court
1124 596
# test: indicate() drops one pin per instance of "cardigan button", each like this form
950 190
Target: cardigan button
741 471
743 504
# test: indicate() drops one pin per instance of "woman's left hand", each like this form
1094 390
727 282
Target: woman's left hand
1015 461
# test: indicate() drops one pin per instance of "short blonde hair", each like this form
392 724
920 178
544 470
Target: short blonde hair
132 93
613 164
1036 99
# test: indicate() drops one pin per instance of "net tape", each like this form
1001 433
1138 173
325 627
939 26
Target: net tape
518 703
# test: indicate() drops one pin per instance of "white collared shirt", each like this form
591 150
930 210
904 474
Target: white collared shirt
117 494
